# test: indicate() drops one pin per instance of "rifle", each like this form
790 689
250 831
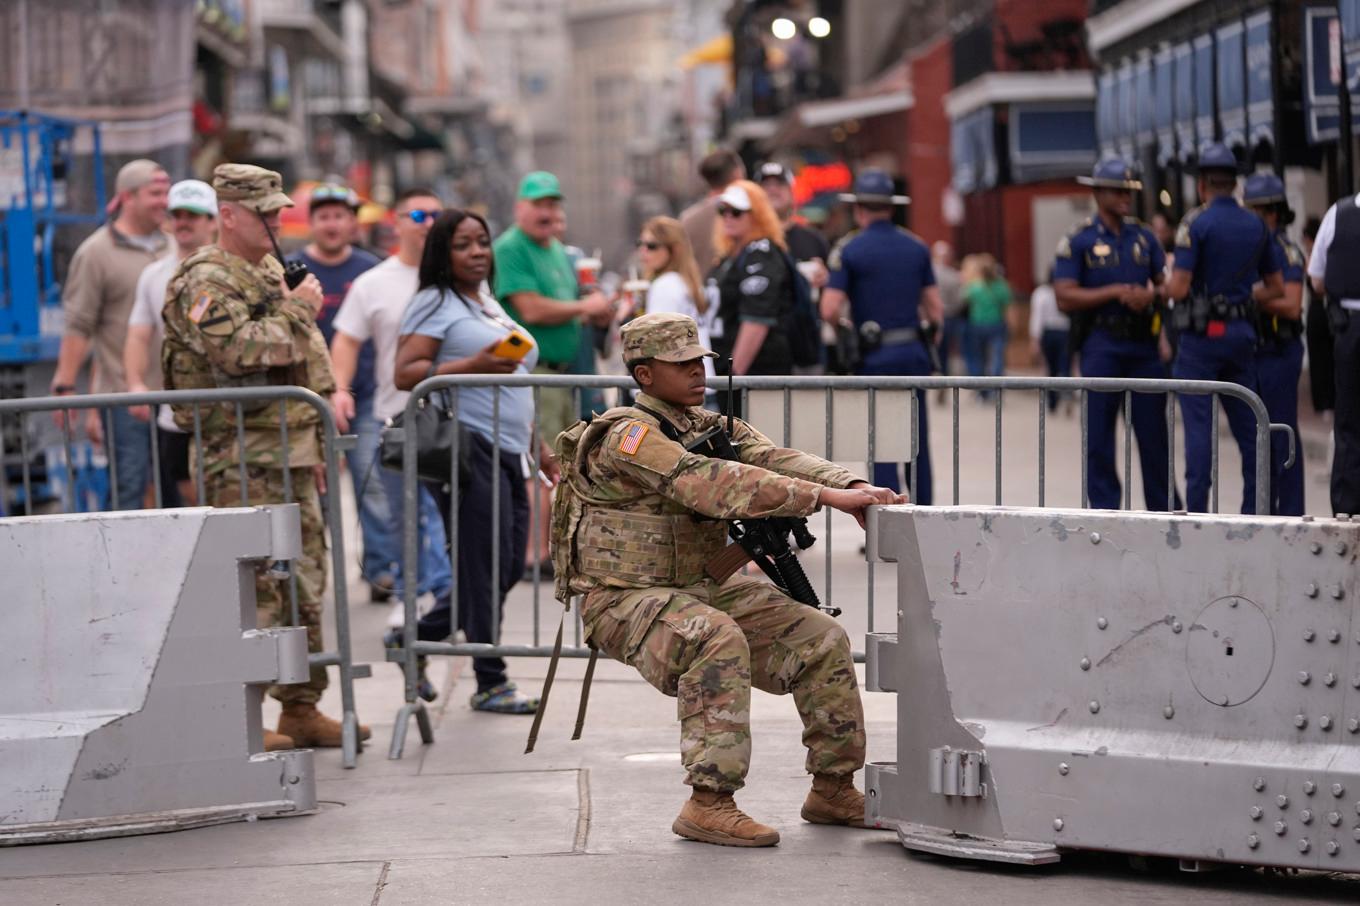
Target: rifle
764 542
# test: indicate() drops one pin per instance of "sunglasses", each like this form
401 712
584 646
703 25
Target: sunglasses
331 192
418 216
726 212
649 246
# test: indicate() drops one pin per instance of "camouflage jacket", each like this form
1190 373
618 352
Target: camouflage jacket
625 514
228 324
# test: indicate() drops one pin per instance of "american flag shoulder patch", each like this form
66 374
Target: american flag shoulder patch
632 438
200 307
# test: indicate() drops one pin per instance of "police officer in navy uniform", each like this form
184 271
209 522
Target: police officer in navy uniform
1222 249
1108 274
884 274
1334 268
1279 358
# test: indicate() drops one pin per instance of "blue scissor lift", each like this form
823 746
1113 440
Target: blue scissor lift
41 158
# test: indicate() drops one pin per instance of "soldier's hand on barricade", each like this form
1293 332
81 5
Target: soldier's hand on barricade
308 291
342 404
487 362
884 496
855 500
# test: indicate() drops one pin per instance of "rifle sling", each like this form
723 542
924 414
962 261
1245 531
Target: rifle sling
547 687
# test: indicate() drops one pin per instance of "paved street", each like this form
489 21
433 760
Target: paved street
470 819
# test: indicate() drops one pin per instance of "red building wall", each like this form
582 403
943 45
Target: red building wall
927 141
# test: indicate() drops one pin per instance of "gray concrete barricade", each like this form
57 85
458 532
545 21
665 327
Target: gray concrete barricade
122 709
847 419
1173 685
27 424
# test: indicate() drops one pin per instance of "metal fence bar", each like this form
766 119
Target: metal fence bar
1043 416
872 438
157 491
536 466
241 452
1128 449
27 472
340 657
4 473
199 481
1169 410
111 450
68 455
494 585
1213 454
955 395
998 447
830 441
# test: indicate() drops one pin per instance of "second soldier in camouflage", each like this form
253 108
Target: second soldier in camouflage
626 536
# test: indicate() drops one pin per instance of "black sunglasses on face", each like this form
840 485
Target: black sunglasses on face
418 216
724 211
649 246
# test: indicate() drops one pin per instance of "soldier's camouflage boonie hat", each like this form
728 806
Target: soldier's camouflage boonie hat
254 188
664 336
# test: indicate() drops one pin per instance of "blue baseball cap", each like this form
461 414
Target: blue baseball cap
1112 173
874 186
1216 156
1263 189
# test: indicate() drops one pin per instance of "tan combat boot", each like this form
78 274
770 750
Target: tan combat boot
274 742
834 800
311 729
710 817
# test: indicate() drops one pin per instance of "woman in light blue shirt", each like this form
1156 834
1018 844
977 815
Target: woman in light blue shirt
452 326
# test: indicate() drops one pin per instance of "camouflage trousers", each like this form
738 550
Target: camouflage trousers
273 605
708 644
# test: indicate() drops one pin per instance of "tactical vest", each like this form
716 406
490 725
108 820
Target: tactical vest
599 541
1342 276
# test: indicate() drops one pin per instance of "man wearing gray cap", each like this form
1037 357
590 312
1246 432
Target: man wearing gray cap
96 299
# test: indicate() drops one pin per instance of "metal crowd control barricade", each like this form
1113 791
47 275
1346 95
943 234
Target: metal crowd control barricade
62 467
849 419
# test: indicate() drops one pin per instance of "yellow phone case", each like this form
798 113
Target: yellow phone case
515 346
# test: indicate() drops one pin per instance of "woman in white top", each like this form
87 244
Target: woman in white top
668 261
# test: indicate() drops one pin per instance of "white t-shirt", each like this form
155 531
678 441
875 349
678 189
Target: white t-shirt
1044 313
668 293
373 311
148 303
1317 265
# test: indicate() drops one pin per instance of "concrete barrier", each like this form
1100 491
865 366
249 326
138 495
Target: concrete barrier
132 673
1173 685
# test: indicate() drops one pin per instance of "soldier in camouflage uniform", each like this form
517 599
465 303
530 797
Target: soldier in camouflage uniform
231 321
625 535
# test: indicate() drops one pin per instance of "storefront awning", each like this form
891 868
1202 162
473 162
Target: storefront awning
1232 97
1164 112
1183 94
1204 89
1260 96
972 150
840 110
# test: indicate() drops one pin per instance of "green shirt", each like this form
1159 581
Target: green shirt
524 266
987 302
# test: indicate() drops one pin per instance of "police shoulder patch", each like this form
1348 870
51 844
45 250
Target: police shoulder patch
1294 254
754 285
1183 234
1065 247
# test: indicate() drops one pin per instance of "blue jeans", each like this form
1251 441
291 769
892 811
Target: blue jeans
129 442
986 350
907 359
1105 356
434 575
1277 372
381 533
1231 357
956 339
1053 344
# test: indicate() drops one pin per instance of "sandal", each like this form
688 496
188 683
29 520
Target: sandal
504 699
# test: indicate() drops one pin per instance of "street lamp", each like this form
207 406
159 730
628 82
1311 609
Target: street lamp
818 27
783 28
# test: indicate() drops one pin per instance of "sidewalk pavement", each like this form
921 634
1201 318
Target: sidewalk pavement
471 819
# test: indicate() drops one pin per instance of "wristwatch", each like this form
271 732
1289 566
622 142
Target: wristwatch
63 389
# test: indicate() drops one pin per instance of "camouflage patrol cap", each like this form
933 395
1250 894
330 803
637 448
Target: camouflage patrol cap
664 336
254 188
